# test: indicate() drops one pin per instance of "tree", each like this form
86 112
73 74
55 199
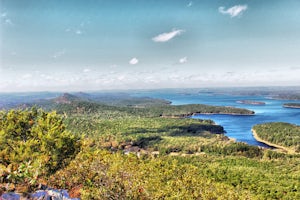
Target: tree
36 139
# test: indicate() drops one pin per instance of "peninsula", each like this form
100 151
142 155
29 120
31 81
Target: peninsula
280 135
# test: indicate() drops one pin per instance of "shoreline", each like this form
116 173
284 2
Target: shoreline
278 147
239 114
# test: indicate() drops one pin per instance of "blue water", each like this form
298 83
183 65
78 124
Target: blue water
236 126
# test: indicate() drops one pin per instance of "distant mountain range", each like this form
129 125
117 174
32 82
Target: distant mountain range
50 100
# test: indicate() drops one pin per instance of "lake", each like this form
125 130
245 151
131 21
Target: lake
236 126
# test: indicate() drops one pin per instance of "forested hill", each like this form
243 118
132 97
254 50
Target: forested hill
47 99
279 133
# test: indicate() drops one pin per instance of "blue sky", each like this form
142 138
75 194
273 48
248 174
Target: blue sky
141 44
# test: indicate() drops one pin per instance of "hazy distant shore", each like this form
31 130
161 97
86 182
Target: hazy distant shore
292 105
249 102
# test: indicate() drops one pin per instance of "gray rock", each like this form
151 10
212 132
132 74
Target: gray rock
10 196
48 194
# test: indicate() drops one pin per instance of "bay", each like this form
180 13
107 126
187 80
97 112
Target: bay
237 127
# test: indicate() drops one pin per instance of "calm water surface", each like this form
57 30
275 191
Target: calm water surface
236 126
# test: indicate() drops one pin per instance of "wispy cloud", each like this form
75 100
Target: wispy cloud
134 61
164 37
27 76
294 68
183 60
6 20
74 31
189 4
233 11
59 54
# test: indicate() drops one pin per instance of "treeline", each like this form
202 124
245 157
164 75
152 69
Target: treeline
280 133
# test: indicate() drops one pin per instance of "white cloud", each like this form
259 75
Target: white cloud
164 37
189 4
134 61
183 60
86 70
8 21
233 11
5 19
78 32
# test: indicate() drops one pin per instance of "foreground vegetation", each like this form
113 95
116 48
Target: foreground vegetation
109 175
99 151
33 143
284 135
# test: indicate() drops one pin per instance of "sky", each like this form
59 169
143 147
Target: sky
82 45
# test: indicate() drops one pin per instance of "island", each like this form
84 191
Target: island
291 105
250 102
